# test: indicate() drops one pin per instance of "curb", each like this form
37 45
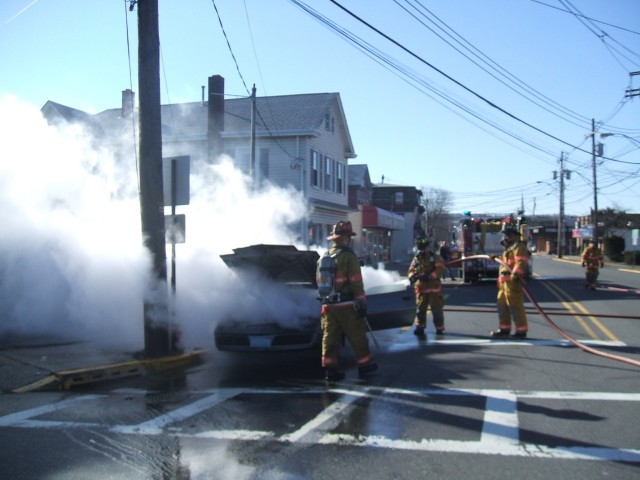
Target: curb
67 379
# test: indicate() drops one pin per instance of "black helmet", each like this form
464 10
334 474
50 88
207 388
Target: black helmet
422 242
510 229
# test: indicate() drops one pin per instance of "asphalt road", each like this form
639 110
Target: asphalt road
460 406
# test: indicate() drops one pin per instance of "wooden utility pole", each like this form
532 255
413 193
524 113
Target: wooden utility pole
157 341
595 183
252 142
561 215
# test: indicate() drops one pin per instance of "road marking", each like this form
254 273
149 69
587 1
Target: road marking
499 433
559 293
325 420
155 426
628 270
500 424
434 340
22 418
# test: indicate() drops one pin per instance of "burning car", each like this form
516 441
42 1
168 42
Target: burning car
289 274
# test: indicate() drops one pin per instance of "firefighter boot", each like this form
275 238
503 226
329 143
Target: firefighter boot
500 333
333 375
367 369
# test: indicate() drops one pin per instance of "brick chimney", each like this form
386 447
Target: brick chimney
215 117
128 103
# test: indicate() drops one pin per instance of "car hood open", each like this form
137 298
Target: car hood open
282 263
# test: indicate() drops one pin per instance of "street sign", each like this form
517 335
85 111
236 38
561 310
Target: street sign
175 174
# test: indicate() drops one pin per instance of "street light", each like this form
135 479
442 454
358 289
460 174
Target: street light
635 141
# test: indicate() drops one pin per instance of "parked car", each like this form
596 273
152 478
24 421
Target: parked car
294 324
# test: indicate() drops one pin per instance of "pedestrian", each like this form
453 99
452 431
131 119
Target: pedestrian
425 271
511 284
344 308
445 255
592 261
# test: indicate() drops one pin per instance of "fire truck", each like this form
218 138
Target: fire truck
478 236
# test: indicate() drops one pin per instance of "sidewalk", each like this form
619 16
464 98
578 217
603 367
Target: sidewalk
39 363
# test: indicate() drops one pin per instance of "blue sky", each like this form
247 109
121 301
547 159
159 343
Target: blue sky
479 98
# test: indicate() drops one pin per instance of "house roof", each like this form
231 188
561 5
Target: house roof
56 112
284 115
359 175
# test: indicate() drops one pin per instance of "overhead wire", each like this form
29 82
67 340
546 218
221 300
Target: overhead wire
602 35
229 47
494 66
450 78
412 78
584 16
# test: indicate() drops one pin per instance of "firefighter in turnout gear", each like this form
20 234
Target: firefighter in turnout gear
344 310
592 261
425 272
510 285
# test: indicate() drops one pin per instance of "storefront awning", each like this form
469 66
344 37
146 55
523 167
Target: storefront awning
374 217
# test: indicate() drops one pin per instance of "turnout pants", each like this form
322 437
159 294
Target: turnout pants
338 320
511 305
423 302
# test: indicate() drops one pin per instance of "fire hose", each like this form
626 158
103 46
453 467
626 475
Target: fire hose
551 323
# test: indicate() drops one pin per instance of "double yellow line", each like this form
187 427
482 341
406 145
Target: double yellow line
575 307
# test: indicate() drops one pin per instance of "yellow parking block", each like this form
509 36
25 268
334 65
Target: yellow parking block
67 379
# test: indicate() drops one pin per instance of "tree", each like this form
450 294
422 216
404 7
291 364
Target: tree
612 218
437 203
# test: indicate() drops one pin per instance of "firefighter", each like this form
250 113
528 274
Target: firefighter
592 261
425 271
511 284
344 310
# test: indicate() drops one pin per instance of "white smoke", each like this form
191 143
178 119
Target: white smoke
72 262
71 255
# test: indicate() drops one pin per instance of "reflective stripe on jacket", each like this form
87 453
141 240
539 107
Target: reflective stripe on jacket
516 256
430 270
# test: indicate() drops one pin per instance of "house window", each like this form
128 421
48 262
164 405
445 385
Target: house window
263 165
398 198
315 169
340 178
329 123
328 176
242 160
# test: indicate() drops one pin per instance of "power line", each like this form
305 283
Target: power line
229 46
588 18
498 68
450 78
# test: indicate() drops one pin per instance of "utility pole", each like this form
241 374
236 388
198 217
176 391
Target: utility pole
252 141
157 340
595 184
561 216
632 92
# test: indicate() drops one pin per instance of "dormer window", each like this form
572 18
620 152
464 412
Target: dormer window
329 123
